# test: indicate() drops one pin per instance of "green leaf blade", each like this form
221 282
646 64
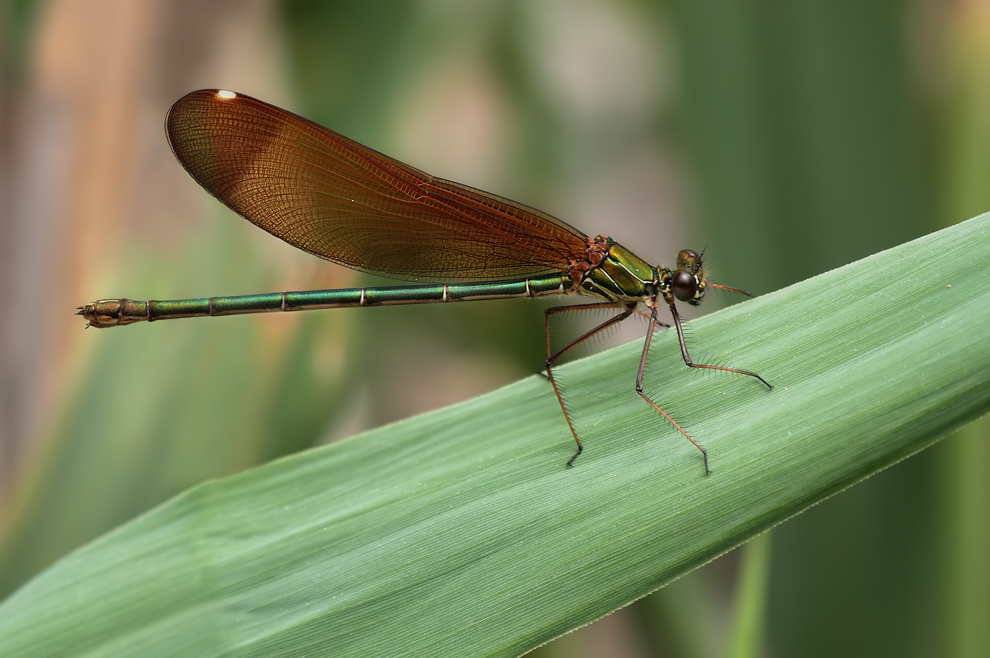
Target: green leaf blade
460 532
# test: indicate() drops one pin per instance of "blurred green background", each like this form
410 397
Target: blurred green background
786 137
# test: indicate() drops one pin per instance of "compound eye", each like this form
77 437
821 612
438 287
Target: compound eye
684 285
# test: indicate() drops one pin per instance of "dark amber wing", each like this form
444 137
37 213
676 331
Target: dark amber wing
345 202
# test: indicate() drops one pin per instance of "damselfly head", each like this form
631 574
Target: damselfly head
688 282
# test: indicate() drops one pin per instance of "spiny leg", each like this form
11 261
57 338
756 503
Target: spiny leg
639 384
638 311
553 356
692 364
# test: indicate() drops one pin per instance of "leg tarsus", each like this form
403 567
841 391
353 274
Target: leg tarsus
735 370
570 462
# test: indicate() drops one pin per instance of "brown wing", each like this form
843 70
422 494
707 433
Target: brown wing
342 201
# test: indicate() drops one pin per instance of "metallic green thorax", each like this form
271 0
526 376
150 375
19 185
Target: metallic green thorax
622 276
614 273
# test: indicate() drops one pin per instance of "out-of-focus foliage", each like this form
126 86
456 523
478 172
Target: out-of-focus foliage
788 138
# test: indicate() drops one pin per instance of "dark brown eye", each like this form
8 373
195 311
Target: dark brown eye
685 285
